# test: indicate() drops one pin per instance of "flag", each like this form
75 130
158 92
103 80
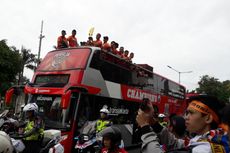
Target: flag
91 30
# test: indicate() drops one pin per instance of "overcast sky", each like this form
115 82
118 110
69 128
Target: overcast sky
188 35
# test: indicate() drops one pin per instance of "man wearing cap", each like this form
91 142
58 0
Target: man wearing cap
201 118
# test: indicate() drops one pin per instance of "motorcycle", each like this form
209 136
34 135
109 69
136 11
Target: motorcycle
8 124
50 142
87 142
53 145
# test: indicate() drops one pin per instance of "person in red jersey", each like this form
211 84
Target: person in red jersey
126 55
121 52
131 56
72 39
114 46
105 45
62 41
98 42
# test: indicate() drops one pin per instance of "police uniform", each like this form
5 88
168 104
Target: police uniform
39 126
33 140
102 124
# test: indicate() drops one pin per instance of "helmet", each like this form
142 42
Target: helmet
104 110
5 145
161 115
113 133
31 107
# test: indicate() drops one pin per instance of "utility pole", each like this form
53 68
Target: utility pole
40 43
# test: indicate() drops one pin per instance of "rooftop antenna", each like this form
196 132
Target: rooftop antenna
40 43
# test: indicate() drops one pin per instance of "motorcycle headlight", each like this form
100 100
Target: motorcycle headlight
86 138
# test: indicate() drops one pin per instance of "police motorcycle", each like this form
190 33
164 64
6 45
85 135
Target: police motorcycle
86 141
50 142
7 124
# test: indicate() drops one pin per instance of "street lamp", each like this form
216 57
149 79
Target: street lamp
179 72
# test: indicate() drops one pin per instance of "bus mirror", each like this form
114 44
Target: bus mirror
8 96
65 99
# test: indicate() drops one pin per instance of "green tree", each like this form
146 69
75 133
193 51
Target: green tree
9 66
28 60
212 86
225 91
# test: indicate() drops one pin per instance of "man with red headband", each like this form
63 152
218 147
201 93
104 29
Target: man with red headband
201 118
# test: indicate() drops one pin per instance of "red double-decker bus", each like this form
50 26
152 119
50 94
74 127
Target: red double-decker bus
71 85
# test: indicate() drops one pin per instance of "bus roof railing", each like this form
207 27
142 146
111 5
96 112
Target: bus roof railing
125 64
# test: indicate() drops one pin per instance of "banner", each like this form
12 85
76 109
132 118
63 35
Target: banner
130 93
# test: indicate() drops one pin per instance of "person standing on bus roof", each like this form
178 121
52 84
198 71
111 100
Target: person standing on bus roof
114 47
121 52
103 122
131 56
72 39
90 41
98 42
106 45
62 41
126 55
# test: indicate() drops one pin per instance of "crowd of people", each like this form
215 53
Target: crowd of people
113 47
198 131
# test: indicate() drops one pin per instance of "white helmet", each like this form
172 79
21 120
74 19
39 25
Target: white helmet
161 115
31 107
104 110
5 145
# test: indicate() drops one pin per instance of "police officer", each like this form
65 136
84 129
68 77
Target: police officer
34 129
161 118
103 122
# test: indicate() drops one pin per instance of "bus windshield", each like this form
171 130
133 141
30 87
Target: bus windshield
50 110
65 60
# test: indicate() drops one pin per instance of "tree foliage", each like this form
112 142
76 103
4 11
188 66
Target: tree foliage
212 86
28 60
9 65
12 63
